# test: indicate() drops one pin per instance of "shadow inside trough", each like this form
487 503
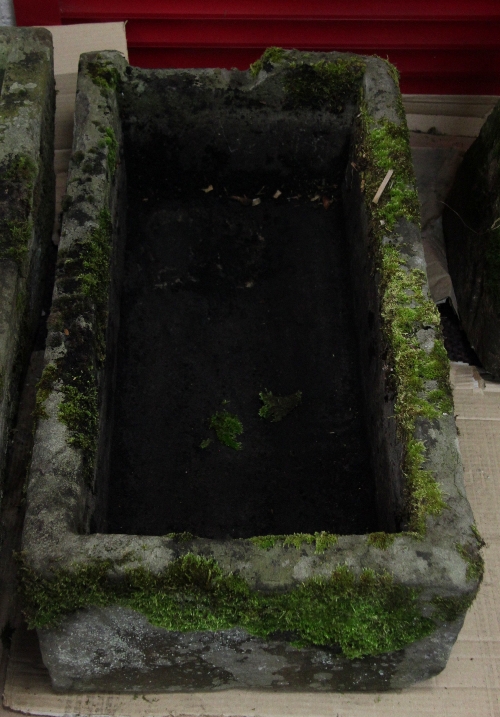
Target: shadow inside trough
222 301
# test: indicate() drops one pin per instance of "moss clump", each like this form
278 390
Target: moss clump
474 560
17 178
324 84
44 387
109 141
277 407
322 540
368 615
94 278
227 426
14 239
184 537
85 272
449 609
104 75
382 541
271 56
79 412
405 308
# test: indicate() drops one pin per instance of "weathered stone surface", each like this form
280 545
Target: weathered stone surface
110 649
92 640
472 233
27 104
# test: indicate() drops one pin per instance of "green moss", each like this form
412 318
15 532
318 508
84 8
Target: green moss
382 541
205 443
271 56
17 178
78 157
477 535
43 389
227 426
95 253
449 609
277 407
405 309
368 615
79 412
86 270
474 560
184 537
104 75
324 84
322 540
109 141
15 235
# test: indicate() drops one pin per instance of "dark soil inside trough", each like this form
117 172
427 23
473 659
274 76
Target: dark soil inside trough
220 302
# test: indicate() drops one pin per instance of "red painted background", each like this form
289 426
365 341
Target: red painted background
439 46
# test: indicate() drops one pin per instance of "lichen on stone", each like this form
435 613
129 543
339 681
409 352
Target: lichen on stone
271 56
17 178
326 84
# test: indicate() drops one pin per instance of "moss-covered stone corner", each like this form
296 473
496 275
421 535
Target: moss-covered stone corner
381 540
17 180
227 427
271 56
418 376
104 74
326 84
365 615
321 540
275 408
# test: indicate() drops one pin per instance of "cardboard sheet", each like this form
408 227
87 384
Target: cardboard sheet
469 686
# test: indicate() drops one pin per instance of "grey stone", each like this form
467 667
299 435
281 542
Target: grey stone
27 103
111 647
472 236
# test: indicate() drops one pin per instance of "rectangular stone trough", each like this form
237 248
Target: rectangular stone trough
27 101
246 471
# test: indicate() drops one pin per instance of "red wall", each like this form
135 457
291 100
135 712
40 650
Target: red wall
439 46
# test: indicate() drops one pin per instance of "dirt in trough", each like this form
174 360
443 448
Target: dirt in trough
220 302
